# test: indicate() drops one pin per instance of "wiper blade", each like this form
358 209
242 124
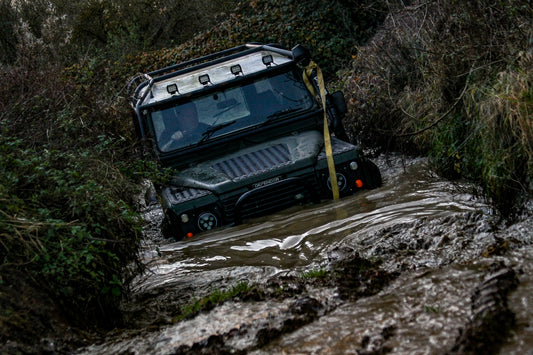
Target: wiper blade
280 113
211 130
284 112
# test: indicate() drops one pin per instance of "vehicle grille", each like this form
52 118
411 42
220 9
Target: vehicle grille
254 163
270 198
186 194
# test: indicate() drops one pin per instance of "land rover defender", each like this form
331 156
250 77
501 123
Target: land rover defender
245 134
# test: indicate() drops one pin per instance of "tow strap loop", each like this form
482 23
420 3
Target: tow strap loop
308 72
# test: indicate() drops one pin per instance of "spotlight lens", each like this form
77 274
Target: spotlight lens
267 60
204 79
236 69
172 89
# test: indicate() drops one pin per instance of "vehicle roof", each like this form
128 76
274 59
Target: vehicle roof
219 71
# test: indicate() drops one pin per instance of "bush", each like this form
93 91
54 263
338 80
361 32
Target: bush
66 219
329 29
452 79
68 224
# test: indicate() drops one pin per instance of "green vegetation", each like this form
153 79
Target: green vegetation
315 274
214 298
451 79
431 309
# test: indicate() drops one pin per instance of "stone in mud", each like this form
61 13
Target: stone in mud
215 344
374 344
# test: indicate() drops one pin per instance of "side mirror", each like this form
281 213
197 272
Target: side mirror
337 100
301 54
337 111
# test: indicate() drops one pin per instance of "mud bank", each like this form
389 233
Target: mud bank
419 266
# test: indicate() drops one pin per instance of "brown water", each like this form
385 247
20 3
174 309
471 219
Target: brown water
435 235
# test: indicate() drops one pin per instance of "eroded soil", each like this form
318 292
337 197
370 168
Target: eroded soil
419 266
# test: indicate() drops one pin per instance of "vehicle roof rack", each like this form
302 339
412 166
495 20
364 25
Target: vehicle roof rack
139 82
221 56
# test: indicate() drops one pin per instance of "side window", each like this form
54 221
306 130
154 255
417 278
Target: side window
159 124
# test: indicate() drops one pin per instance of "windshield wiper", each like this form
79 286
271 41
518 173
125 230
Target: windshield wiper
284 112
280 113
211 130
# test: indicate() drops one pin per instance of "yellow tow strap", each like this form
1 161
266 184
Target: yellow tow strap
327 138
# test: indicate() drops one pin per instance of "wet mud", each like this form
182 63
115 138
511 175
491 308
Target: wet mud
418 266
491 317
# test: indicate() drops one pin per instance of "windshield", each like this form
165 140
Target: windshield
229 110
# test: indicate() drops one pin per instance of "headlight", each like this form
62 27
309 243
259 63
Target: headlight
207 221
341 182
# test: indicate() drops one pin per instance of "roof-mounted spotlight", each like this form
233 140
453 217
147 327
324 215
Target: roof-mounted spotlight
268 60
172 89
236 69
204 79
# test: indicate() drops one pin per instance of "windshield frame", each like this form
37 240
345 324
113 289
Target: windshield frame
234 106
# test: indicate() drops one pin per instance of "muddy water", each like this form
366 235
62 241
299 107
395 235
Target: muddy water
435 237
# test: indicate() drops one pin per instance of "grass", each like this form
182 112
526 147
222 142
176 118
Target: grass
453 81
315 274
215 298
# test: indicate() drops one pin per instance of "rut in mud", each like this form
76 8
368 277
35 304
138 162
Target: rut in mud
418 266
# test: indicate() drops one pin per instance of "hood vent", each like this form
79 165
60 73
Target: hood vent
255 162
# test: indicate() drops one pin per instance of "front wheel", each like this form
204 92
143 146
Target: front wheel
169 230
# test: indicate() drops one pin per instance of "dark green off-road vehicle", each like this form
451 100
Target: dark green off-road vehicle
246 137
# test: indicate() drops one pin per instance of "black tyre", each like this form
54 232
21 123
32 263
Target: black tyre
169 230
372 175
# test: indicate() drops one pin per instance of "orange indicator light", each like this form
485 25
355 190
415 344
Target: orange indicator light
359 183
189 235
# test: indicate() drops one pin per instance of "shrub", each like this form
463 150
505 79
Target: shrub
65 218
452 79
68 224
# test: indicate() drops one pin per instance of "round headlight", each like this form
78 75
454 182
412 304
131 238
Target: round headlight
184 218
341 182
207 221
353 165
